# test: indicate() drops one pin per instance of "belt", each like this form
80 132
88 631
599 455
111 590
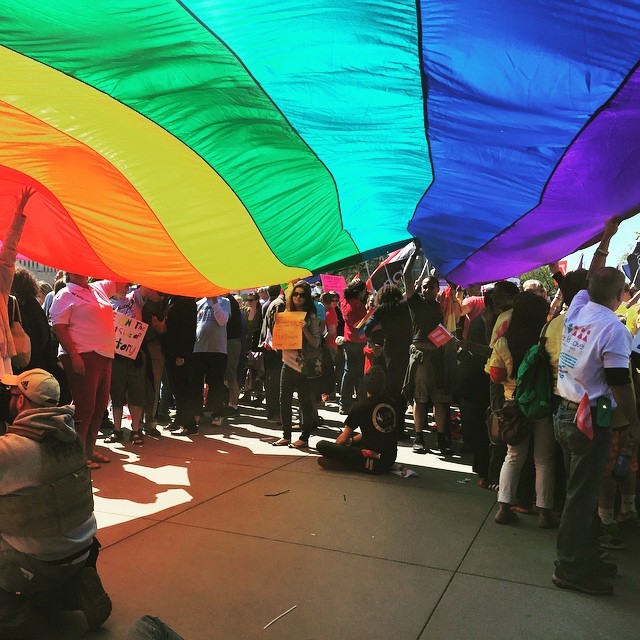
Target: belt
567 404
71 558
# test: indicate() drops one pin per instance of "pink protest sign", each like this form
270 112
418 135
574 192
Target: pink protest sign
333 283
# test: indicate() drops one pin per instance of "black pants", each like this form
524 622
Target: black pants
290 381
352 458
272 371
183 386
209 366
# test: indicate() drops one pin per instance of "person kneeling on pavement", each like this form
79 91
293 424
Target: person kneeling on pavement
375 449
48 549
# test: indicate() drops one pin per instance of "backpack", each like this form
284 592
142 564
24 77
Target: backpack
534 383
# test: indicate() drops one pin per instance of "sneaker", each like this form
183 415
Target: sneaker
606 570
587 584
116 436
609 537
93 599
444 444
152 432
629 520
418 444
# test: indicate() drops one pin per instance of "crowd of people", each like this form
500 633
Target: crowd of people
433 347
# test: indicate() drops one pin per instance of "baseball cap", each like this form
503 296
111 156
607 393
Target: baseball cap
36 384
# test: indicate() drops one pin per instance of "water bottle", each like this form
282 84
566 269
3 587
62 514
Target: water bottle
623 462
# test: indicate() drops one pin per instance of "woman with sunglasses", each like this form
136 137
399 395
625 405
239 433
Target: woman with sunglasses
298 365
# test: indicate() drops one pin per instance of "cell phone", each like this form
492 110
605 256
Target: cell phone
604 411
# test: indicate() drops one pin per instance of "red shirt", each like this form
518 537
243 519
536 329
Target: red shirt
353 311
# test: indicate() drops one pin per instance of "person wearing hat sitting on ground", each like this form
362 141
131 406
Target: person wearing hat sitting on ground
47 546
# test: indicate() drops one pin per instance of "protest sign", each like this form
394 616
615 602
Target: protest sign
333 283
129 335
287 331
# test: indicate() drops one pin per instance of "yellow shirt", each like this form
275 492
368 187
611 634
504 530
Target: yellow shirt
501 359
632 319
553 346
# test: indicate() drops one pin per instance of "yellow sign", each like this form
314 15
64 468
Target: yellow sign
287 332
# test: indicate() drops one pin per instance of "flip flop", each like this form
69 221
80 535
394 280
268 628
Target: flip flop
281 443
299 444
98 457
93 465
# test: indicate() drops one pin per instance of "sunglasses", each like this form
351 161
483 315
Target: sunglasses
298 294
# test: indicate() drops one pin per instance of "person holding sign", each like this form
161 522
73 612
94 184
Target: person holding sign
300 361
128 376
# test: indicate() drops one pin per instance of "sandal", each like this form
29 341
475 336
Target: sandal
98 457
92 465
282 442
137 437
506 517
484 484
299 444
116 436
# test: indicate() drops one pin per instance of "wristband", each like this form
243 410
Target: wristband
602 252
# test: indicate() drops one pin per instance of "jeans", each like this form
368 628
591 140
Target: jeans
291 380
151 628
353 377
544 455
26 582
272 373
577 546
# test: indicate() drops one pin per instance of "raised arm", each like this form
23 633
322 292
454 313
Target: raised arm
407 272
9 249
600 256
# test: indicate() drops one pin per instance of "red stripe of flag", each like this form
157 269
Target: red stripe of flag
583 417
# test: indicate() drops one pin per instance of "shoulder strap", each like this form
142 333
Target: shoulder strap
543 338
15 310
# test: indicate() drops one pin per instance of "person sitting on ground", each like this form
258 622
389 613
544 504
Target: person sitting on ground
393 318
48 549
373 450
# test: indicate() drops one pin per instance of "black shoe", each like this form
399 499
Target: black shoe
116 436
92 598
163 418
587 584
418 444
444 445
152 432
173 427
606 570
183 431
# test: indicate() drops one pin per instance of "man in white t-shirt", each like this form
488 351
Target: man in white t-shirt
594 360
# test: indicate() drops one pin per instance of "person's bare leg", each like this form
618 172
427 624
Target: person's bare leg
419 416
117 418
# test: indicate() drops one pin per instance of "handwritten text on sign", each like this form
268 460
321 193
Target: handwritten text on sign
333 283
287 332
129 335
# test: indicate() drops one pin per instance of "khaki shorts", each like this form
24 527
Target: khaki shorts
426 390
128 381
234 347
